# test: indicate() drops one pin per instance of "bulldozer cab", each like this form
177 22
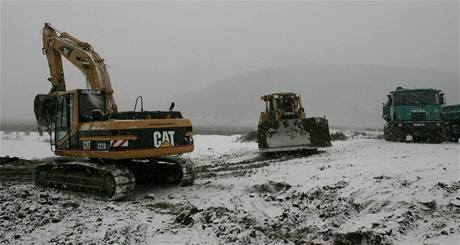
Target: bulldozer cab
282 106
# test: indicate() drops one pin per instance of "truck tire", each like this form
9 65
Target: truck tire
398 135
386 133
437 140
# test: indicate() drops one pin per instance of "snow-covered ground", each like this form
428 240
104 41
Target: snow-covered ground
362 190
27 145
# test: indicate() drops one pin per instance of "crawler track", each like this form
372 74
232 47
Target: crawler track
187 170
110 181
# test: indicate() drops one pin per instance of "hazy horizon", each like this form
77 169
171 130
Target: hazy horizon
168 50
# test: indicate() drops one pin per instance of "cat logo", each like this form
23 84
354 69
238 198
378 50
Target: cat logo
163 139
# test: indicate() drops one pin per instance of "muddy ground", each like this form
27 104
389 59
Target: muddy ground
341 195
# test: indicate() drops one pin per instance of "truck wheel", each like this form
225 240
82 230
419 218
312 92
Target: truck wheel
401 137
438 137
386 133
392 137
397 137
434 139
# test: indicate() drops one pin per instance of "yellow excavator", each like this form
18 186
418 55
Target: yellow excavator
104 150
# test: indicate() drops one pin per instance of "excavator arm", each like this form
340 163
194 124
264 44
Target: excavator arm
58 44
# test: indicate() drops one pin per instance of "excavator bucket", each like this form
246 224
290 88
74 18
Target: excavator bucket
294 135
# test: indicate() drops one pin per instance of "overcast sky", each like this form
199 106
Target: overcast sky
158 49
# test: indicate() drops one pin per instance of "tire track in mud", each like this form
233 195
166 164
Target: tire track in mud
222 168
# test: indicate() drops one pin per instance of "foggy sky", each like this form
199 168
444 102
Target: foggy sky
164 50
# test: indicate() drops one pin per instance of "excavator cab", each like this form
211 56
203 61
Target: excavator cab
75 107
91 105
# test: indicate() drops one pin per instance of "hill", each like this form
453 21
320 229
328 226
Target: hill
348 95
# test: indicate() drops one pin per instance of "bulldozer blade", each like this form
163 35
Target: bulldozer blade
294 135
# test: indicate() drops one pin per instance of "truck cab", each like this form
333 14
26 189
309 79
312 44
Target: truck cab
414 114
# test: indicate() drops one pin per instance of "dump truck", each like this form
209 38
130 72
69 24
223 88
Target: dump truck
414 115
104 150
283 126
451 117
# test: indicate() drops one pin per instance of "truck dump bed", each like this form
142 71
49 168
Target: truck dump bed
451 113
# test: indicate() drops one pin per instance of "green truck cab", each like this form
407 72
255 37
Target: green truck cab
414 114
451 117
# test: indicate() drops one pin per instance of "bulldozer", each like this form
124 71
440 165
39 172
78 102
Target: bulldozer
101 149
283 126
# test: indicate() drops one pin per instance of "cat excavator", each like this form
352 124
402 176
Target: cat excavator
103 150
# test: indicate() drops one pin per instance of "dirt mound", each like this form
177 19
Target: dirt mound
359 237
248 137
271 187
297 208
229 225
450 188
338 136
127 234
185 217
14 168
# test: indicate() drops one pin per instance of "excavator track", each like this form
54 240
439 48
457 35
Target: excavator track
165 170
113 181
109 181
187 169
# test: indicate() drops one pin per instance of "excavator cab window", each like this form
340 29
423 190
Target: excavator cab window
91 105
62 117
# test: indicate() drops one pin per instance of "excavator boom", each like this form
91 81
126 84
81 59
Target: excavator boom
81 54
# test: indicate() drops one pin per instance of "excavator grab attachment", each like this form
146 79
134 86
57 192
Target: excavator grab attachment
45 110
283 126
